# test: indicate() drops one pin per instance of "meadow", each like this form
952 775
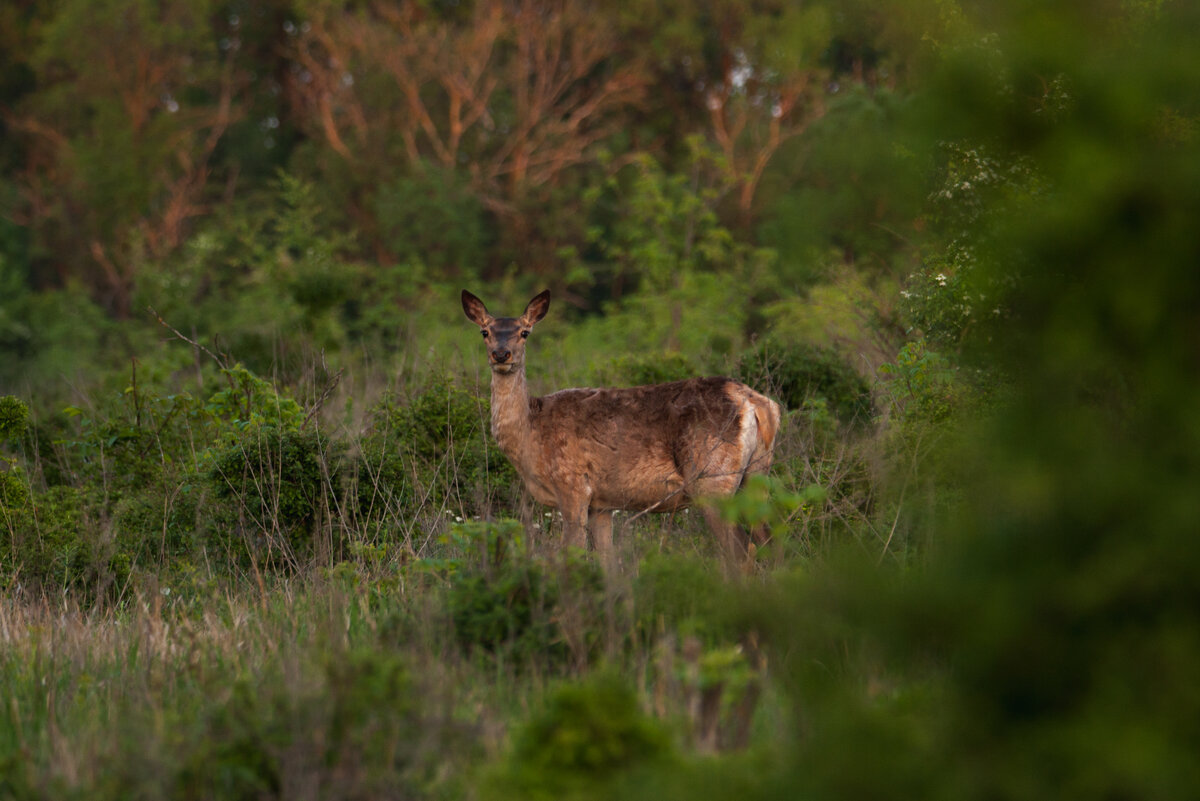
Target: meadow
257 541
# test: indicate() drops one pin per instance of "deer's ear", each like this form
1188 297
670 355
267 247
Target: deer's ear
537 308
476 311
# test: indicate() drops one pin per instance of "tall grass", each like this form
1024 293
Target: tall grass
224 586
293 692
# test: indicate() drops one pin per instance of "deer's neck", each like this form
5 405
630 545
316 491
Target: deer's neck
511 425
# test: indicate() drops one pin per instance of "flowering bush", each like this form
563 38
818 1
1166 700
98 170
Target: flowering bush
950 298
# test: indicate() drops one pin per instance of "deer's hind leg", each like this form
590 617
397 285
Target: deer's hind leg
723 469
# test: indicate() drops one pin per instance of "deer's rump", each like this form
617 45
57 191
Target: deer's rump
657 446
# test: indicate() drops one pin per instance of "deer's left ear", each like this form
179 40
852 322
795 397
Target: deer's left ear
536 309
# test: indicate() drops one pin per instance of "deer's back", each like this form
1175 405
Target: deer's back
654 445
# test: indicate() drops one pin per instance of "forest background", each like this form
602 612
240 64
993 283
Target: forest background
256 541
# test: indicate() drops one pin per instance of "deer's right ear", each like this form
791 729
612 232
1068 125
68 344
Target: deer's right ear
476 311
537 308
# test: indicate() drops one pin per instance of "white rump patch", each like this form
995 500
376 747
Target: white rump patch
749 435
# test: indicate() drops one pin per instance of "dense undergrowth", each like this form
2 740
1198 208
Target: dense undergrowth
257 542
264 593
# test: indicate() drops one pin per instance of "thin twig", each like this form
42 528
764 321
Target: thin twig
887 543
218 359
330 386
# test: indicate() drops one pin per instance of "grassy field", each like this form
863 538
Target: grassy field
242 595
257 541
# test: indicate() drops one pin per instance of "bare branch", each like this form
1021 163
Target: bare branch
219 359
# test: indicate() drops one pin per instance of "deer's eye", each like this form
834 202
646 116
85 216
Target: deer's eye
524 335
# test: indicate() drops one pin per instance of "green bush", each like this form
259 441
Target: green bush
922 386
431 217
279 485
382 482
635 370
436 448
799 376
48 542
59 538
162 522
14 418
588 739
519 608
509 613
353 728
682 594
247 400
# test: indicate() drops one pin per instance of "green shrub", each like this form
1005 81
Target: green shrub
437 447
431 216
162 522
799 376
48 542
923 387
14 418
634 370
516 607
114 453
248 400
587 739
278 483
680 593
382 482
352 727
508 613
53 540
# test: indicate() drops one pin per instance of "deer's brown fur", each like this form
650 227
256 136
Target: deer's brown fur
588 452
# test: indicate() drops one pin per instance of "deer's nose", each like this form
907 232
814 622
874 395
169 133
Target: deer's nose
500 355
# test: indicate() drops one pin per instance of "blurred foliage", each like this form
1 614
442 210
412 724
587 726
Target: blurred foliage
680 594
1015 663
586 743
356 723
431 217
647 368
851 188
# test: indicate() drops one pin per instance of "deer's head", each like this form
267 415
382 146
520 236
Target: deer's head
505 336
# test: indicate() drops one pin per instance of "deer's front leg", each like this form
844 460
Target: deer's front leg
574 508
574 533
602 537
575 523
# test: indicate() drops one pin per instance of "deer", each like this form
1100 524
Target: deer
593 451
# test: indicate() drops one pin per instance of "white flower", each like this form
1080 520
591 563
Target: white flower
941 279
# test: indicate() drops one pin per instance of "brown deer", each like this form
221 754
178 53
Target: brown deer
588 452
